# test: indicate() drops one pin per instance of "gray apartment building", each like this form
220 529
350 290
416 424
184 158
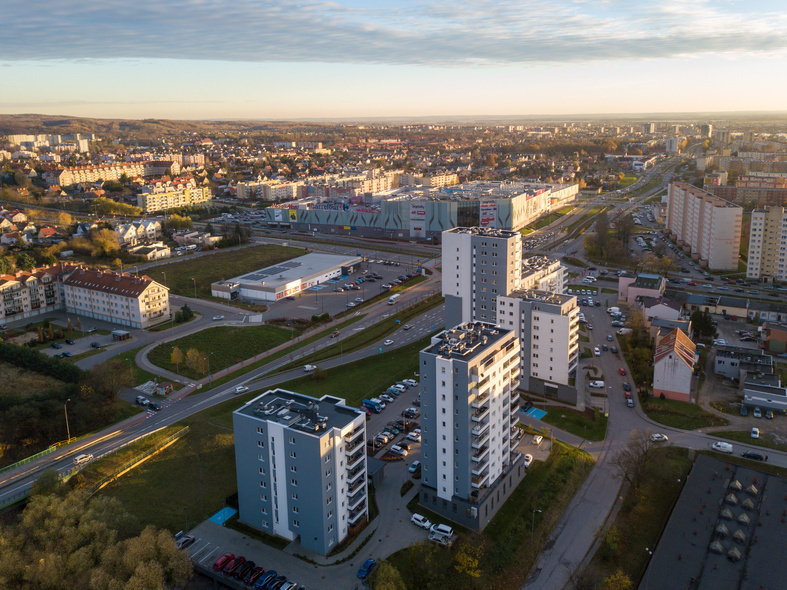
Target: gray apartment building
469 403
735 361
479 263
301 467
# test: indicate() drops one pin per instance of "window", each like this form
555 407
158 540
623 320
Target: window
294 496
292 440
296 523
329 501
292 454
293 468
295 510
260 444
294 482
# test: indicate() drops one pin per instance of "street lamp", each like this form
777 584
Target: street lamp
65 411
533 523
193 280
647 579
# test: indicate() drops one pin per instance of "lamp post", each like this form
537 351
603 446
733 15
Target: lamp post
647 579
65 411
193 280
210 375
533 522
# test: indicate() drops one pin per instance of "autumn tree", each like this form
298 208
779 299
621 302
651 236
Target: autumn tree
387 577
602 232
108 378
617 581
176 358
104 242
64 219
632 462
467 559
192 358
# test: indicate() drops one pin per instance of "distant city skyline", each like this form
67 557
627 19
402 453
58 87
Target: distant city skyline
416 58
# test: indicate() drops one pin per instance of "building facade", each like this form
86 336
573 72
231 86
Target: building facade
301 467
547 326
673 366
469 378
767 260
172 194
479 263
28 294
706 226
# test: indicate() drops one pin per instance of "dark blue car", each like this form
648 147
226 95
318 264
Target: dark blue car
367 568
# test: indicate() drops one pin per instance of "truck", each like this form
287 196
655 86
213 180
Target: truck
394 298
373 406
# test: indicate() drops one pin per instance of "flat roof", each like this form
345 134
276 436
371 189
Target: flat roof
693 552
544 296
303 267
300 412
466 341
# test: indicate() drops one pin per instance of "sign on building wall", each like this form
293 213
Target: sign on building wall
293 214
417 220
277 216
488 215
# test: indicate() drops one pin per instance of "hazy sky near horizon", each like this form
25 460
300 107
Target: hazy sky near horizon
352 58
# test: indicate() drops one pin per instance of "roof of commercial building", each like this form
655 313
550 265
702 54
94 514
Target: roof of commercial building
465 341
749 355
300 412
487 232
303 267
544 296
694 551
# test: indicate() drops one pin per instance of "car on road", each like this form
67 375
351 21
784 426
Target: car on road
241 389
528 460
414 467
609 337
95 345
366 568
141 400
308 368
614 350
421 521
154 406
350 304
658 437
56 345
629 402
359 299
70 341
219 564
335 334
290 298
605 348
388 342
626 387
408 326
755 456
622 371
596 351
720 342
537 439
218 317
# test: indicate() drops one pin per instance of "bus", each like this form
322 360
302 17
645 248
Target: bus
394 298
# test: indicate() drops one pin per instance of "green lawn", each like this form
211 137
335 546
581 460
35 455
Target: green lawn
545 220
641 518
588 424
627 180
506 550
221 265
138 375
744 436
225 346
677 414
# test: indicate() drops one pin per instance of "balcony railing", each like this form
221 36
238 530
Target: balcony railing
353 461
353 444
358 471
480 481
480 400
478 443
480 431
479 455
351 435
357 513
481 415
355 485
356 499
481 469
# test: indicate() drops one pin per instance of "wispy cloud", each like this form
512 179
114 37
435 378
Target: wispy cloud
409 32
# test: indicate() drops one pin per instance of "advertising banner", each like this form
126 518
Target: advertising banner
417 220
277 216
488 214
293 214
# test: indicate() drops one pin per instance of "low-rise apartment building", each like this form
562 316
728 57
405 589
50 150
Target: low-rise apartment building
673 366
301 467
172 194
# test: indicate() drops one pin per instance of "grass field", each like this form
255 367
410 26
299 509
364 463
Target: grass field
588 424
138 375
545 220
627 180
506 550
225 346
744 436
24 382
677 414
642 517
221 265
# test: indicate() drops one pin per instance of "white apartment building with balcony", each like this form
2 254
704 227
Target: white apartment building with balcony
479 263
469 403
768 245
706 226
547 326
301 467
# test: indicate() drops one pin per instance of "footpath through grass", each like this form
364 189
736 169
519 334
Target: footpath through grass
677 414
589 425
506 550
641 519
220 265
224 345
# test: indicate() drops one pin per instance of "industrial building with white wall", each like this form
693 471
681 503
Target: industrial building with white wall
287 278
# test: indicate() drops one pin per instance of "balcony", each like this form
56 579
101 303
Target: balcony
355 473
480 431
514 418
480 481
479 455
351 435
481 415
481 469
357 514
354 460
354 487
355 500
479 442
480 400
351 446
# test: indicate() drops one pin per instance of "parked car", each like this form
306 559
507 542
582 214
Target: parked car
219 564
755 432
415 466
398 451
528 460
70 341
757 413
386 398
185 541
414 436
95 345
442 529
537 439
366 568
253 575
622 371
744 411
244 569
769 414
420 521
232 566
56 345
755 456
267 577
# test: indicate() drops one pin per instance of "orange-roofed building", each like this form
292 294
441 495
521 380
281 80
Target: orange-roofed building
673 366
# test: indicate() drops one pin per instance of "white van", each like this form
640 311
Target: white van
596 384
611 310
722 447
81 459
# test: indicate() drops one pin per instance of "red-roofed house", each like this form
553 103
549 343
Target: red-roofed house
673 366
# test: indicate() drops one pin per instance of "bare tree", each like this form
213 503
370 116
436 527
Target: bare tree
632 461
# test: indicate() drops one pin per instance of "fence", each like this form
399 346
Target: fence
28 459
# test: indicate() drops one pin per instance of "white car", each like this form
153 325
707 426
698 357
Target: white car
218 317
241 389
528 460
414 436
596 351
410 382
388 342
399 451
421 521
359 299
658 437
308 368
350 304
537 439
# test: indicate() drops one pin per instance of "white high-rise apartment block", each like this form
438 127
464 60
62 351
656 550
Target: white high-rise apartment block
469 378
542 274
708 227
479 263
768 245
547 326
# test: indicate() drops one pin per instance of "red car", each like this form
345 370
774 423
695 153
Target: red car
253 575
622 371
692 284
233 565
222 561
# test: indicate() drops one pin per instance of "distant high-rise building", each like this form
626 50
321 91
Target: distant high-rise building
768 245
301 467
469 402
479 263
706 131
708 226
650 128
672 145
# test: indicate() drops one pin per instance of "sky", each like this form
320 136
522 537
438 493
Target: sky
356 59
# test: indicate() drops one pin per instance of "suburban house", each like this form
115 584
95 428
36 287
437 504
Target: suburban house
658 329
673 366
661 308
643 285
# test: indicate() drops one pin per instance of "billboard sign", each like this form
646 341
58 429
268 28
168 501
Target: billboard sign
488 213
